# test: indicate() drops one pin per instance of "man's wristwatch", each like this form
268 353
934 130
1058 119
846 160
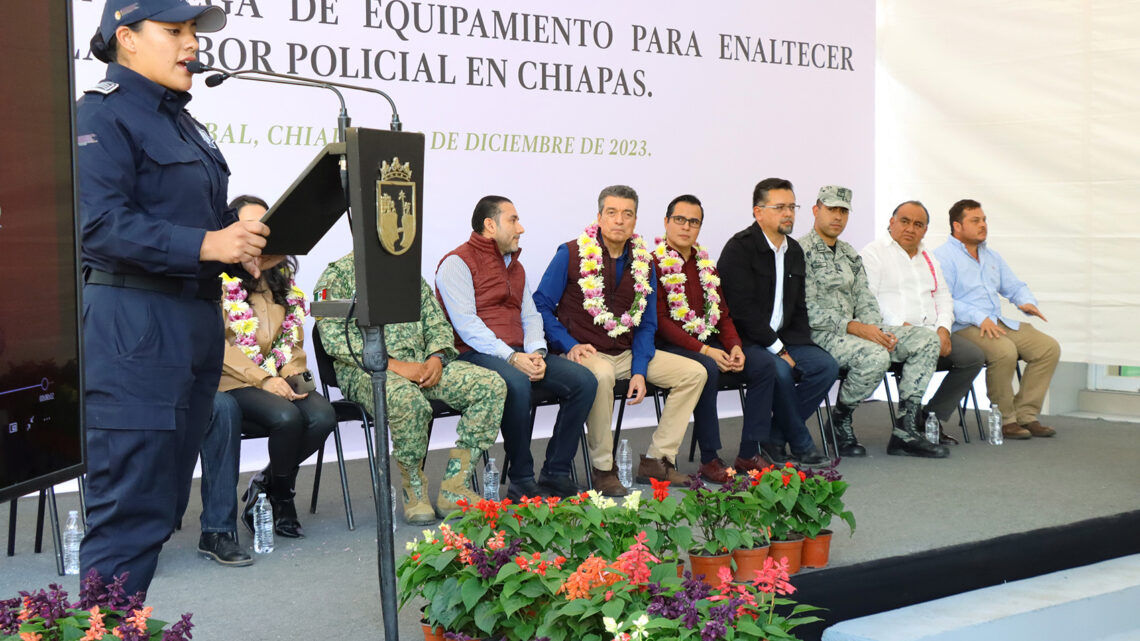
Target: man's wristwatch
780 354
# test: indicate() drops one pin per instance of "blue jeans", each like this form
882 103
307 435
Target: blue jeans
573 385
221 452
759 373
798 393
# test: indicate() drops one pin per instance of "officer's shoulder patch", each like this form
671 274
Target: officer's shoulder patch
106 88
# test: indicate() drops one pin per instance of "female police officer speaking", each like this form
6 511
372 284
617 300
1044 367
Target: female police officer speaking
155 235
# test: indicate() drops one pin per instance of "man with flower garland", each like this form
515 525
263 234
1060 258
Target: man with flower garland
845 320
421 368
483 289
704 332
593 299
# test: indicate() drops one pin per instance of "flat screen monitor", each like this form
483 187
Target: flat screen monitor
41 434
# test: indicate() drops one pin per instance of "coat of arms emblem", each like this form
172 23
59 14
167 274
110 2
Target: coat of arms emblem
396 207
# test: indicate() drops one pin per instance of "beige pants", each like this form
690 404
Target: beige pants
685 379
1041 353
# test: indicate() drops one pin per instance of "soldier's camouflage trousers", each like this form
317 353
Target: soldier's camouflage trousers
866 362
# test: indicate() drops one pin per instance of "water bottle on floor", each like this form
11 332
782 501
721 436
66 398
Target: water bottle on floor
996 437
625 463
491 481
72 537
933 428
262 525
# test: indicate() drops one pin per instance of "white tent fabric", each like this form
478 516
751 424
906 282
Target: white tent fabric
1031 108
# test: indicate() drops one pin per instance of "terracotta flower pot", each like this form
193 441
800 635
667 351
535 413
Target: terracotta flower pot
710 567
748 562
817 551
790 549
432 634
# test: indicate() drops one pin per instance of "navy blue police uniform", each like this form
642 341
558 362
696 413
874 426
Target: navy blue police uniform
152 182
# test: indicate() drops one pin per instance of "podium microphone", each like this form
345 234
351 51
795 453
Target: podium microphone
194 66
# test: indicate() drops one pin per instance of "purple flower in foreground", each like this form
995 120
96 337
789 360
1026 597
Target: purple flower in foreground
180 631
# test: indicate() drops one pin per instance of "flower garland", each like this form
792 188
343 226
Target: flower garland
593 285
673 282
243 324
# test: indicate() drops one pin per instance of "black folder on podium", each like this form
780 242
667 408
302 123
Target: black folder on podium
384 174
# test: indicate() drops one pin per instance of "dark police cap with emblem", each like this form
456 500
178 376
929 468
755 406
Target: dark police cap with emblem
117 13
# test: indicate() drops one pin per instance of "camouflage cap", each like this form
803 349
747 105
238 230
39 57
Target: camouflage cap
835 196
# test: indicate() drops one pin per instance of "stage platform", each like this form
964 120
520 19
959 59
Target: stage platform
926 529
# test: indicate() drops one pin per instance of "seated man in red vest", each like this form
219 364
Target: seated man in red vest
599 307
483 290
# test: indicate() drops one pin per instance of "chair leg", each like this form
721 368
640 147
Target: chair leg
617 428
962 421
40 507
827 449
890 399
344 478
588 464
977 413
317 479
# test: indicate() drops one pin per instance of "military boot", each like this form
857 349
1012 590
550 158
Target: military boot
842 417
417 507
456 482
907 440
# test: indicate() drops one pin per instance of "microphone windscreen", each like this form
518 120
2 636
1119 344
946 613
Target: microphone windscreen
194 66
215 80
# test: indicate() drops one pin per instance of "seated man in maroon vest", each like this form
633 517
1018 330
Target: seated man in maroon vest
598 302
482 288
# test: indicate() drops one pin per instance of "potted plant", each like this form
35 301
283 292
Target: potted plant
103 611
660 512
712 514
779 487
821 499
753 518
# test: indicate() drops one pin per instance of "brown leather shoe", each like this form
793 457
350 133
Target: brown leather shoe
1015 431
660 469
946 439
757 463
714 471
1037 429
607 483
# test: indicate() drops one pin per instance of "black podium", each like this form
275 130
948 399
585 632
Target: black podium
378 177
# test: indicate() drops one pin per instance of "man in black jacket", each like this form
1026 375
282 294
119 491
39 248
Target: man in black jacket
762 275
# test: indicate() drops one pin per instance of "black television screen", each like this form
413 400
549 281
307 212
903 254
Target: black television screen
41 439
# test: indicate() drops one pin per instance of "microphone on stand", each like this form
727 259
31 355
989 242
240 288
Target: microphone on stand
195 66
343 121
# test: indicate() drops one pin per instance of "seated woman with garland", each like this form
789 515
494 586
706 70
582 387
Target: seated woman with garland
266 373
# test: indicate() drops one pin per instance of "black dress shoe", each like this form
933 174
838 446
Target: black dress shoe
560 486
224 548
810 458
518 489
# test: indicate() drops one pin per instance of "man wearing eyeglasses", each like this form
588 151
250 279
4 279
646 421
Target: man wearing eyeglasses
908 283
845 320
598 300
693 321
762 271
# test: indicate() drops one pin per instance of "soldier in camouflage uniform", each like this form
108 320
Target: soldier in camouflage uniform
845 321
421 367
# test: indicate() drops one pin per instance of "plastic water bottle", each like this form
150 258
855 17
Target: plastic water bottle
262 525
72 537
491 481
933 428
995 425
625 463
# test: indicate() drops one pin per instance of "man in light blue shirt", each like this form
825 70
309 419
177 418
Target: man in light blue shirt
482 288
978 279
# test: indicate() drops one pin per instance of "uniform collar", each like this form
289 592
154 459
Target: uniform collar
147 92
842 248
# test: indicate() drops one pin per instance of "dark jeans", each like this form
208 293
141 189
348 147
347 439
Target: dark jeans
221 453
798 393
573 385
296 429
760 375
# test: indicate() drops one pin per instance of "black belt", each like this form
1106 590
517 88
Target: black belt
204 289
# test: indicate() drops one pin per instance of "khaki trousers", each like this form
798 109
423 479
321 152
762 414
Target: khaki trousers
1041 353
685 379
